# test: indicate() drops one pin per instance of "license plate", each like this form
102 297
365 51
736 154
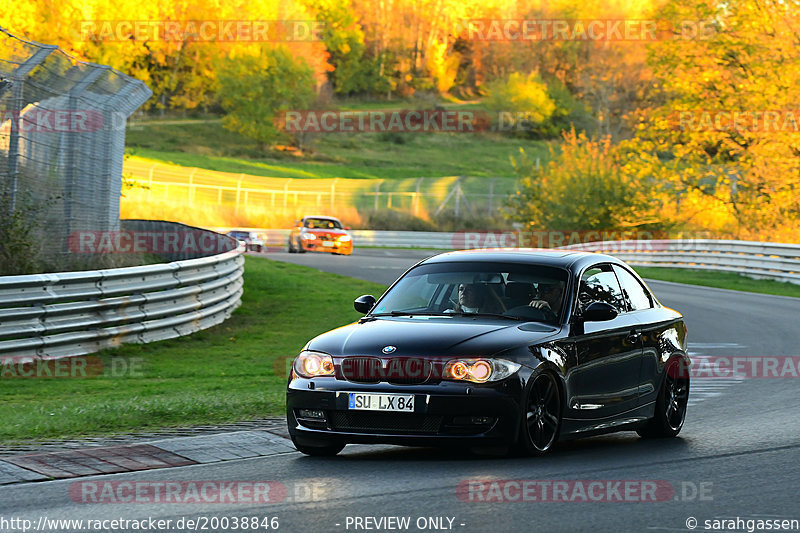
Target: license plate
329 244
381 402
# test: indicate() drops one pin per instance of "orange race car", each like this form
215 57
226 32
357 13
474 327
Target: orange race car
320 234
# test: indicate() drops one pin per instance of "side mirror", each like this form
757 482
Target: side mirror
363 304
599 312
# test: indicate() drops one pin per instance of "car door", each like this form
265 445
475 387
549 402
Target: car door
605 379
651 326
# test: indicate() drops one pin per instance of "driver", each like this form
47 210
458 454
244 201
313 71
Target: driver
550 296
476 298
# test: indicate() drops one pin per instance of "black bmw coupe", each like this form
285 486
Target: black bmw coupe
517 348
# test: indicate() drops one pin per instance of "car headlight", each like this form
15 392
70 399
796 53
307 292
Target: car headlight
313 364
309 236
479 370
345 238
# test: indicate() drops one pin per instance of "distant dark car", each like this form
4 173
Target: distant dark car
320 234
251 239
510 347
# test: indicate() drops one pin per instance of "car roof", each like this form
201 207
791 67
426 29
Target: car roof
324 217
569 259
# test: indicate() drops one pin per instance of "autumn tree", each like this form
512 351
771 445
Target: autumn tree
254 89
587 185
740 57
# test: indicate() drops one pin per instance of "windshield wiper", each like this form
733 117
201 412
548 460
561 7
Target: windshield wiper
408 313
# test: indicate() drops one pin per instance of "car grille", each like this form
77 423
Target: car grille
385 422
400 371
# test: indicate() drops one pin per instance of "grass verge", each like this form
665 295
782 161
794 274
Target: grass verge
720 280
227 373
335 155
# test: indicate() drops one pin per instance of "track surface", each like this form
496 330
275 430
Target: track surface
737 455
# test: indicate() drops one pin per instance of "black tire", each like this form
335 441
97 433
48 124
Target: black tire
290 248
541 415
325 450
673 398
300 249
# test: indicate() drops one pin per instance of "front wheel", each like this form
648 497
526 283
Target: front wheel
326 450
673 398
541 420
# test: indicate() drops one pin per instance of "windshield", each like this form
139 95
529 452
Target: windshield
518 291
322 223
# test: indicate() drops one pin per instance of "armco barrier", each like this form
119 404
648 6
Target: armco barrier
767 260
46 316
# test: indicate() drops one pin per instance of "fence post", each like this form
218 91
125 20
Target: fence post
286 193
150 182
238 192
491 195
191 187
72 188
333 192
18 84
416 198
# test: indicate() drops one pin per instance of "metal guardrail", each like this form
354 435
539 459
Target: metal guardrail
764 260
767 260
48 316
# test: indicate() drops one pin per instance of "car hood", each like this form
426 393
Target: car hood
431 336
321 231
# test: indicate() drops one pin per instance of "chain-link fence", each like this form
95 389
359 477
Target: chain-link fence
62 141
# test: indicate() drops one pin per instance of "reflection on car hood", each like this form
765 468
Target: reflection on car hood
431 336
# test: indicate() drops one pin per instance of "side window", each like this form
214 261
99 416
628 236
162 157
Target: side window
638 297
599 284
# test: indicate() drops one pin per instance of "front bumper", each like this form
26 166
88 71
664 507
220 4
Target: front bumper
444 413
338 247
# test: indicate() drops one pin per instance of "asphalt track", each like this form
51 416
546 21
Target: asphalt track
738 456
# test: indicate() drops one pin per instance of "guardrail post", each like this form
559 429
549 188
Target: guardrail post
333 192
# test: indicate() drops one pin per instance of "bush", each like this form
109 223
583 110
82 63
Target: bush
590 185
255 89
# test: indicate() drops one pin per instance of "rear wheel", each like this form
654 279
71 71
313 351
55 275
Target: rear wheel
541 420
673 399
323 450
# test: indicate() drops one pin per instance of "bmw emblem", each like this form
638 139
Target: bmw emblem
389 349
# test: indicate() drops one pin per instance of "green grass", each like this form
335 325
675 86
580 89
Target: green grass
335 155
721 280
223 374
